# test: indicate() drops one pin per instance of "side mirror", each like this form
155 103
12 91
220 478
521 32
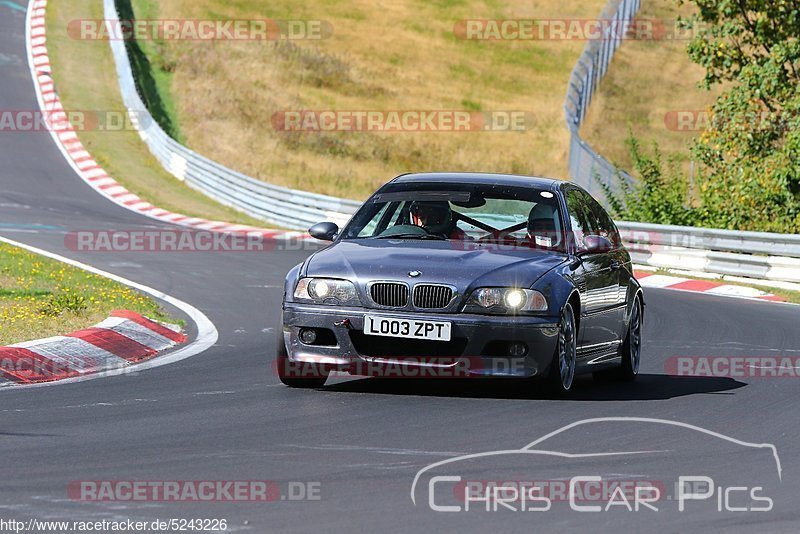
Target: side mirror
325 231
596 244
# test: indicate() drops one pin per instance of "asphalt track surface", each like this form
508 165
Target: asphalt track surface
222 414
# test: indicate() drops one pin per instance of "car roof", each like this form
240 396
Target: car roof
480 178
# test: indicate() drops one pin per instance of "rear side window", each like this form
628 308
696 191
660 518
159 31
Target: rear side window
605 226
589 218
580 216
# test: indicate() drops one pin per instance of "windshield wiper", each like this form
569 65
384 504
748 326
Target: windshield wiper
412 236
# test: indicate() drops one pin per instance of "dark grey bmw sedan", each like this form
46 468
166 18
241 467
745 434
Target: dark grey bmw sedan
465 275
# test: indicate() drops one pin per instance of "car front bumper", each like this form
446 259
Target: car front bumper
477 347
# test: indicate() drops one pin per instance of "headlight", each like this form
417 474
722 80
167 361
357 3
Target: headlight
505 300
326 290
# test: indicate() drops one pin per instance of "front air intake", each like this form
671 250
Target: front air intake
432 297
389 294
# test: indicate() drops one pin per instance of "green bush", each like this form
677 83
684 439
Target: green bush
749 156
659 196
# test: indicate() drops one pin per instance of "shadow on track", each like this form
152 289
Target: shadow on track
646 387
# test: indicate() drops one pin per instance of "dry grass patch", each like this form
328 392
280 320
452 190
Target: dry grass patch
86 79
398 55
646 81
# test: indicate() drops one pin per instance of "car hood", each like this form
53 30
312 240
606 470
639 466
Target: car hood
449 262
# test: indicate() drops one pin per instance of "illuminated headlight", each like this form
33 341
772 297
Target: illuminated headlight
514 299
320 289
506 300
325 289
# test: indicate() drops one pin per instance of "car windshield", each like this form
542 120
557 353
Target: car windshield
479 213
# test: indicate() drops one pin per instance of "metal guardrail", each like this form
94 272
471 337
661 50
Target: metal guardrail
281 206
761 255
714 239
586 165
758 255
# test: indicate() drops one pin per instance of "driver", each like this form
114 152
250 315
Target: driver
543 226
435 217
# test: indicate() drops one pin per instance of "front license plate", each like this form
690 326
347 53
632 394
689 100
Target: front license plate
376 325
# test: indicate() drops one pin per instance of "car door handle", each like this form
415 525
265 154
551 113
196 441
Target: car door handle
615 265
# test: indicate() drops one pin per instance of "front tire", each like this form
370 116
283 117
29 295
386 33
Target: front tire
297 375
562 369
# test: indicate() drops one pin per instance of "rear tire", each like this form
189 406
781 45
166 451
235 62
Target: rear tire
631 350
562 369
297 375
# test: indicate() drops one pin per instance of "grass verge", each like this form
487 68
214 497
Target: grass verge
85 77
40 297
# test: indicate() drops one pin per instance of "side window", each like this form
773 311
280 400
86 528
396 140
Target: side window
580 216
605 225
372 225
381 220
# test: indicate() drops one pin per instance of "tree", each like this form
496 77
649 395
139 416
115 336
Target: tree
750 154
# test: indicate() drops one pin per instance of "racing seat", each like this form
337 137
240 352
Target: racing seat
544 228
